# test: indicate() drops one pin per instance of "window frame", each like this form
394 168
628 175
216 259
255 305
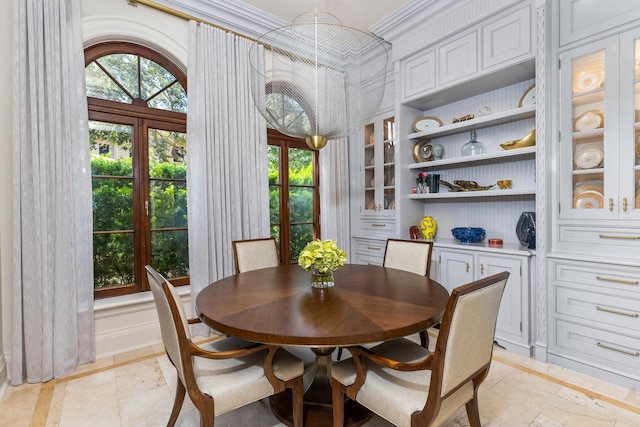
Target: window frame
276 138
141 118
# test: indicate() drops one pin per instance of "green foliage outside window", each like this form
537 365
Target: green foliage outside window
300 197
113 213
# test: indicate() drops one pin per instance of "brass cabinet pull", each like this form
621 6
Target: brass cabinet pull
614 280
467 266
378 225
611 310
373 248
481 268
621 350
373 263
624 204
610 204
614 236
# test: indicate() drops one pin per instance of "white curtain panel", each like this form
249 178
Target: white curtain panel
334 193
227 174
53 330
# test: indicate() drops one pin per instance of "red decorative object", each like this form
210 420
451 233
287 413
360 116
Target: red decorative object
495 243
414 232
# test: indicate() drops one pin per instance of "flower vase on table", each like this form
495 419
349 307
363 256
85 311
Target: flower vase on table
321 280
322 258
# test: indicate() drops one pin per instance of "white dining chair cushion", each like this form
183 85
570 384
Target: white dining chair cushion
472 327
234 382
408 256
256 254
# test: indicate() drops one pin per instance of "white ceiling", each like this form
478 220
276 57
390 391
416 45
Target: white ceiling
360 14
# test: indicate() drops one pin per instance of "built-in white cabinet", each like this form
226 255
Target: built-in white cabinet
373 189
378 168
496 43
593 267
599 148
463 264
595 324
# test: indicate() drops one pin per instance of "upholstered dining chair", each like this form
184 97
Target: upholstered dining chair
253 254
413 256
226 374
409 386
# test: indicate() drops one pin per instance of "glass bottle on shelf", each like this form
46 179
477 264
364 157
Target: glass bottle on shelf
473 147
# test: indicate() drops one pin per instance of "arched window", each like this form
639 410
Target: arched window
137 125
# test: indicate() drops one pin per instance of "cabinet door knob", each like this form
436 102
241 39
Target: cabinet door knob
481 268
610 204
624 204
467 264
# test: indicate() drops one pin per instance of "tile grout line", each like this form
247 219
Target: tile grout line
586 392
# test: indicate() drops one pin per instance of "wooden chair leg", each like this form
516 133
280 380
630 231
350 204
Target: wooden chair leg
177 403
297 392
337 401
204 405
473 413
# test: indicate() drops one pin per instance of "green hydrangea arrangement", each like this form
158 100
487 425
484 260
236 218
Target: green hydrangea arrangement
322 255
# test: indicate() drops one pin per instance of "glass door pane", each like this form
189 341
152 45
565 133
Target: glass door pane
369 169
112 179
588 116
301 200
167 209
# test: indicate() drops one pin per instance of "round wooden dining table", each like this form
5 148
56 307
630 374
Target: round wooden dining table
279 306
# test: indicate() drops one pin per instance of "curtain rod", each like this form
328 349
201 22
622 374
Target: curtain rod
185 16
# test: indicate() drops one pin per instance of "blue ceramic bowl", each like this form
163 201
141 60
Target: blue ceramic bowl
468 234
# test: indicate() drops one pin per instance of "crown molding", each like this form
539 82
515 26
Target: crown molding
238 17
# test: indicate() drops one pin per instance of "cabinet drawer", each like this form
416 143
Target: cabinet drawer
368 259
603 309
598 347
371 246
621 242
378 226
623 281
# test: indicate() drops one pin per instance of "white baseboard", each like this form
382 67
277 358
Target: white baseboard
128 323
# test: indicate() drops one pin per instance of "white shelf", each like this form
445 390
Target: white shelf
479 122
472 194
461 161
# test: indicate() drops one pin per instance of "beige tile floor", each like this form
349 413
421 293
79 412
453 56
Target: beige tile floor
136 389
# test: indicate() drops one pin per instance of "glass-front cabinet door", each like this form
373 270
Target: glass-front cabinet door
379 165
599 129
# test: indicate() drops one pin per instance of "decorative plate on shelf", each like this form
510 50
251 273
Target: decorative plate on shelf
589 120
422 151
372 138
528 97
425 123
589 77
372 205
392 204
638 147
589 199
588 156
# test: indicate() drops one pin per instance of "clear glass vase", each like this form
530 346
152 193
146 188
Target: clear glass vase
321 280
473 147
